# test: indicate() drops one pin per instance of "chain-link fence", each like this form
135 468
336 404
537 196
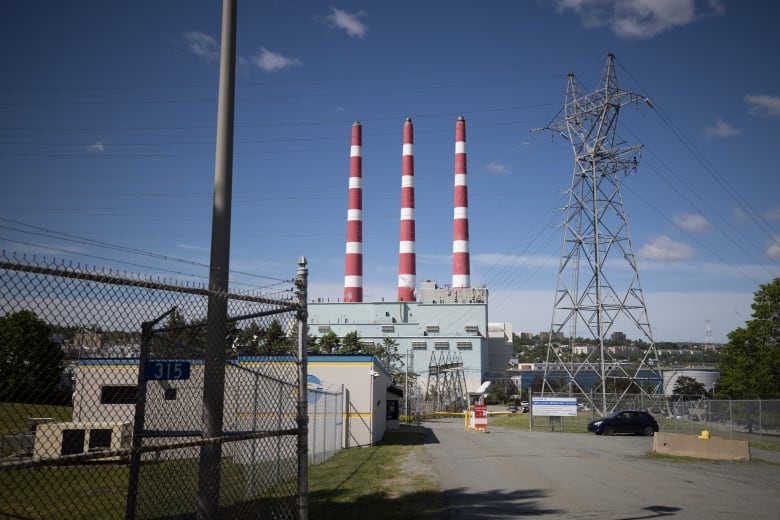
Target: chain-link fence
111 387
756 420
326 421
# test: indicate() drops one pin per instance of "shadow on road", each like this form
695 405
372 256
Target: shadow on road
656 512
409 436
332 504
495 504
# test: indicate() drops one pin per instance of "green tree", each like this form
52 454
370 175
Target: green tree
351 343
689 388
181 339
312 345
329 343
247 341
750 362
30 361
275 342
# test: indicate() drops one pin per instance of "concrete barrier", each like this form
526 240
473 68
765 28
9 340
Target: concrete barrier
683 445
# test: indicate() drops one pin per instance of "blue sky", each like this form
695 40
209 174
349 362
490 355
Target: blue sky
107 139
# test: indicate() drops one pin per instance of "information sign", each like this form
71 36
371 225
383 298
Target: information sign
554 406
166 369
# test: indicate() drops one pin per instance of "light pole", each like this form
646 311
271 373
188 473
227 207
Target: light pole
406 389
374 374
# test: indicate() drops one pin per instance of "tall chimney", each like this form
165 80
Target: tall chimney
407 260
460 237
353 272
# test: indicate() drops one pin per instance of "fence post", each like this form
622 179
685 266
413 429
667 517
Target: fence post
731 421
138 423
301 284
140 415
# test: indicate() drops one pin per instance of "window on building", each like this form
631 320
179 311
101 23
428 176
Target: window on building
473 329
99 439
118 394
464 345
388 328
432 328
419 345
441 345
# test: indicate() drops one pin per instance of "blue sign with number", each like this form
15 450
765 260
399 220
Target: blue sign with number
164 369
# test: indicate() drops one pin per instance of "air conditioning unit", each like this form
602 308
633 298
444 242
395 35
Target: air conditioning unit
54 440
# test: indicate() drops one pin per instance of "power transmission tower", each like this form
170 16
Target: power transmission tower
593 291
446 388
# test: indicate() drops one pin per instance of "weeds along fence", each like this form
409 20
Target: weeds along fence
110 387
757 420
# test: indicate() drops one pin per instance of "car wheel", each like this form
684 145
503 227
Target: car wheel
648 431
609 430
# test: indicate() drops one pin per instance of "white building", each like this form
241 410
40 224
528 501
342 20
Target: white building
443 320
106 391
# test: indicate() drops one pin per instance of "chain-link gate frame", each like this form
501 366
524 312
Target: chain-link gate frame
94 482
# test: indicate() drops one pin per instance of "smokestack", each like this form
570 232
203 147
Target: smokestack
353 272
460 237
407 260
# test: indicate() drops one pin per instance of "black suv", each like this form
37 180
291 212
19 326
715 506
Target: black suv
625 421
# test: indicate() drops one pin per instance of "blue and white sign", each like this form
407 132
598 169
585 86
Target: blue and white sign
166 369
554 406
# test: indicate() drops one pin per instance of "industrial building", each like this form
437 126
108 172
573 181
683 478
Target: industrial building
428 323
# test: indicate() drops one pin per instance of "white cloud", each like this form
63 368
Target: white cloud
773 251
98 147
636 19
665 249
763 105
349 22
773 214
272 61
496 259
720 129
740 215
495 168
202 45
692 223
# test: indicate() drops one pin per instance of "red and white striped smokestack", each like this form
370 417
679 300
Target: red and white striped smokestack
407 260
353 272
461 276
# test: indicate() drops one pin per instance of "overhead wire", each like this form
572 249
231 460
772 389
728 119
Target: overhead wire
706 164
30 229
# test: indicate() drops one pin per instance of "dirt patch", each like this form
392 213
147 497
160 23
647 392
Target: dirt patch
415 470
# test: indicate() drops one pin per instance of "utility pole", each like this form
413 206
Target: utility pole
217 313
595 235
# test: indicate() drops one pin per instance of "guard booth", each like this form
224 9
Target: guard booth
476 415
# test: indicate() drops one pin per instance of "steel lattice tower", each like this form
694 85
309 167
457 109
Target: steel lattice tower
446 387
598 281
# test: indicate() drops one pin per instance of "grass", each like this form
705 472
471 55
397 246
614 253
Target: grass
385 481
389 480
86 492
14 417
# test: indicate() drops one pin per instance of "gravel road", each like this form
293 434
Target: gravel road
509 473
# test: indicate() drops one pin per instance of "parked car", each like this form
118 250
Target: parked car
625 421
512 408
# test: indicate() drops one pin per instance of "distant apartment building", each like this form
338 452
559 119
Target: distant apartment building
618 336
555 336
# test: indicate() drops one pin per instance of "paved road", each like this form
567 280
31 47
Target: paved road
508 473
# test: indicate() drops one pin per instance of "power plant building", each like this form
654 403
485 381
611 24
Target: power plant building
443 320
426 323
